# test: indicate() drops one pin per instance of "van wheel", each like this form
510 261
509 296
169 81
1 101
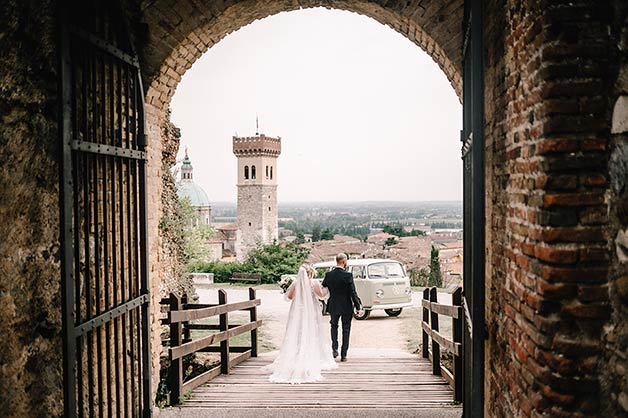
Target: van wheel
393 312
365 315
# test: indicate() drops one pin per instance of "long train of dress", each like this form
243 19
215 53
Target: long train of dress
306 350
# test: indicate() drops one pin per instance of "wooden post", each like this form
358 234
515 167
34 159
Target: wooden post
176 366
253 317
426 318
225 365
457 334
435 345
186 331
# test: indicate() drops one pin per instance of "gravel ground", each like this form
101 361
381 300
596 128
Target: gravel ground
379 331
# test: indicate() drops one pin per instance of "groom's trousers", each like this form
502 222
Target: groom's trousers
346 331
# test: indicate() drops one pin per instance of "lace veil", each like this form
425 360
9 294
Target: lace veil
305 350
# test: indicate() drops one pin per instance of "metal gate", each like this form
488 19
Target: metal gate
106 351
474 214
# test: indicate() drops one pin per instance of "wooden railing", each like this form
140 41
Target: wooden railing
180 319
431 310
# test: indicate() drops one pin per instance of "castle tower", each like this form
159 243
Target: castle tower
257 191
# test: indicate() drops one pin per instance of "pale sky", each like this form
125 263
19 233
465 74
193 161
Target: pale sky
363 113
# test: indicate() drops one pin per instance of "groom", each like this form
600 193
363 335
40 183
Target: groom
343 299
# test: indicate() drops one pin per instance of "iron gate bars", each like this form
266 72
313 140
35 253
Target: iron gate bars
106 344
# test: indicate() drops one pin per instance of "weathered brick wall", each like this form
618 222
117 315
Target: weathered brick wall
179 33
30 306
549 75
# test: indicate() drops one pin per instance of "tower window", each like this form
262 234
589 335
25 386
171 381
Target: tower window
269 208
271 172
253 173
246 172
267 172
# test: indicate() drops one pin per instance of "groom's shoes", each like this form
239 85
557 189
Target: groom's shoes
335 353
343 359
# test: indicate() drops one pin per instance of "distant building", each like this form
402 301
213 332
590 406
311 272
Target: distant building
257 191
188 189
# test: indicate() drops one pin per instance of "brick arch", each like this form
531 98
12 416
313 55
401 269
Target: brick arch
180 32
174 34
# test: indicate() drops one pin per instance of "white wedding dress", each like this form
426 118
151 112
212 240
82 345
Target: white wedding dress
306 349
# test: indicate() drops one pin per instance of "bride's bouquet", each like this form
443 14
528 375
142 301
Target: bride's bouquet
285 282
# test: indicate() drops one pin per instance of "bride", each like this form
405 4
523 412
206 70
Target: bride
305 350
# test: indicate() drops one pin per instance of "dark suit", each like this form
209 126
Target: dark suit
342 301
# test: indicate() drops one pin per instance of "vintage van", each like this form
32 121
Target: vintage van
380 284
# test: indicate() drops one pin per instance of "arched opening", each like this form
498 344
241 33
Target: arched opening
550 91
268 169
162 85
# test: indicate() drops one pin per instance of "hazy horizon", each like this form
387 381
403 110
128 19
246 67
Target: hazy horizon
218 202
364 114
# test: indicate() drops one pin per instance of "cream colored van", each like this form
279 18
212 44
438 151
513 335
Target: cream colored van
380 284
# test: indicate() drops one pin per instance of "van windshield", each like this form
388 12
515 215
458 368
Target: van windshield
385 270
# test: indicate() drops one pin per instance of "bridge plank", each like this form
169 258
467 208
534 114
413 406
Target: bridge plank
363 382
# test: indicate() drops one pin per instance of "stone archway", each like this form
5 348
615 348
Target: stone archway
179 33
556 200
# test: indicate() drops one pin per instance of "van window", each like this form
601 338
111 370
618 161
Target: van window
385 270
358 272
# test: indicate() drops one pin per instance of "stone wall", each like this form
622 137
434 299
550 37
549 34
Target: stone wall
172 275
30 305
257 217
614 365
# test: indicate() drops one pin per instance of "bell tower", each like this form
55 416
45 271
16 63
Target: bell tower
257 191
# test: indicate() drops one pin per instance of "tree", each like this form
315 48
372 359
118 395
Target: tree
195 247
420 277
300 238
327 235
390 242
316 233
271 261
436 277
394 229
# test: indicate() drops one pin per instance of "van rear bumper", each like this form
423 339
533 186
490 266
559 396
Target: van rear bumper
390 306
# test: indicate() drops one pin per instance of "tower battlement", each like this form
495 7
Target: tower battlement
260 145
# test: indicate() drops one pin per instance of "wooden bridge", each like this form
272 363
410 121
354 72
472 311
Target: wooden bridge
386 380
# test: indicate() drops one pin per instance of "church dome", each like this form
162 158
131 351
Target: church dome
194 192
186 188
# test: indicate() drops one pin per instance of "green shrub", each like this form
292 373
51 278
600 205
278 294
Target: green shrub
271 261
222 270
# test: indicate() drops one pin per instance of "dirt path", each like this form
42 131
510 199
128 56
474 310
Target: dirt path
379 331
